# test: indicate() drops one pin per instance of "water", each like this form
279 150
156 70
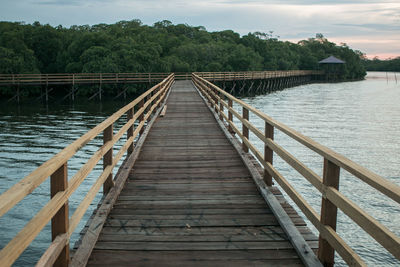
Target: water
30 135
360 120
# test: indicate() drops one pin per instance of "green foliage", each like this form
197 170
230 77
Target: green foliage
375 64
130 46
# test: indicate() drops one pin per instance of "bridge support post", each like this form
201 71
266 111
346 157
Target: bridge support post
221 107
18 93
60 221
158 98
326 253
141 116
215 96
268 152
108 159
72 93
130 130
245 130
148 107
47 94
230 115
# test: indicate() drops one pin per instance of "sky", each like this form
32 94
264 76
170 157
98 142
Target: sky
373 27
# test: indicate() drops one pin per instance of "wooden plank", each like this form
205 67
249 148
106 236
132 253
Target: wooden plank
219 163
238 170
194 245
193 211
215 237
272 257
207 231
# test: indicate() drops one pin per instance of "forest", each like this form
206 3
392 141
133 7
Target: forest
131 46
376 64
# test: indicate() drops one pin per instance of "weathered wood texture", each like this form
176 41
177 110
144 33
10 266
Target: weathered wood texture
189 200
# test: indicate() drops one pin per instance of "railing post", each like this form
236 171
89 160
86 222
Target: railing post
215 95
60 221
230 115
141 116
268 152
101 82
130 130
326 253
148 97
159 96
245 130
108 158
211 95
221 107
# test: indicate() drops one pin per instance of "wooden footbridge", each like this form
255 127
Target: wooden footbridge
188 193
251 81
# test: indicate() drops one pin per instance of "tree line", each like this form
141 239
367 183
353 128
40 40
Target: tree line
130 46
376 64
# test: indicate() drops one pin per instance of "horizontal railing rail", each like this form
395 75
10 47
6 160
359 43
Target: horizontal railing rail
56 168
80 78
328 185
252 75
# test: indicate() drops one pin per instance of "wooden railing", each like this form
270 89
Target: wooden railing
112 78
328 185
56 209
80 78
252 75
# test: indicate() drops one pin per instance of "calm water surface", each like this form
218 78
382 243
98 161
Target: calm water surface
360 120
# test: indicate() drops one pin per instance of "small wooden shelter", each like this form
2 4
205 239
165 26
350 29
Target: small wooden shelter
333 67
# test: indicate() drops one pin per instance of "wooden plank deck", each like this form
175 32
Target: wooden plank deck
190 200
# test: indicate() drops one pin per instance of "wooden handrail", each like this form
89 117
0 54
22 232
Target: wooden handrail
79 78
95 78
56 167
330 241
251 75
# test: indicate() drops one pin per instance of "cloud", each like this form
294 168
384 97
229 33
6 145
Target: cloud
69 2
59 3
304 2
371 26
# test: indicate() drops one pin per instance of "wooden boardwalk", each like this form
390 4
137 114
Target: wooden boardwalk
189 194
190 200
